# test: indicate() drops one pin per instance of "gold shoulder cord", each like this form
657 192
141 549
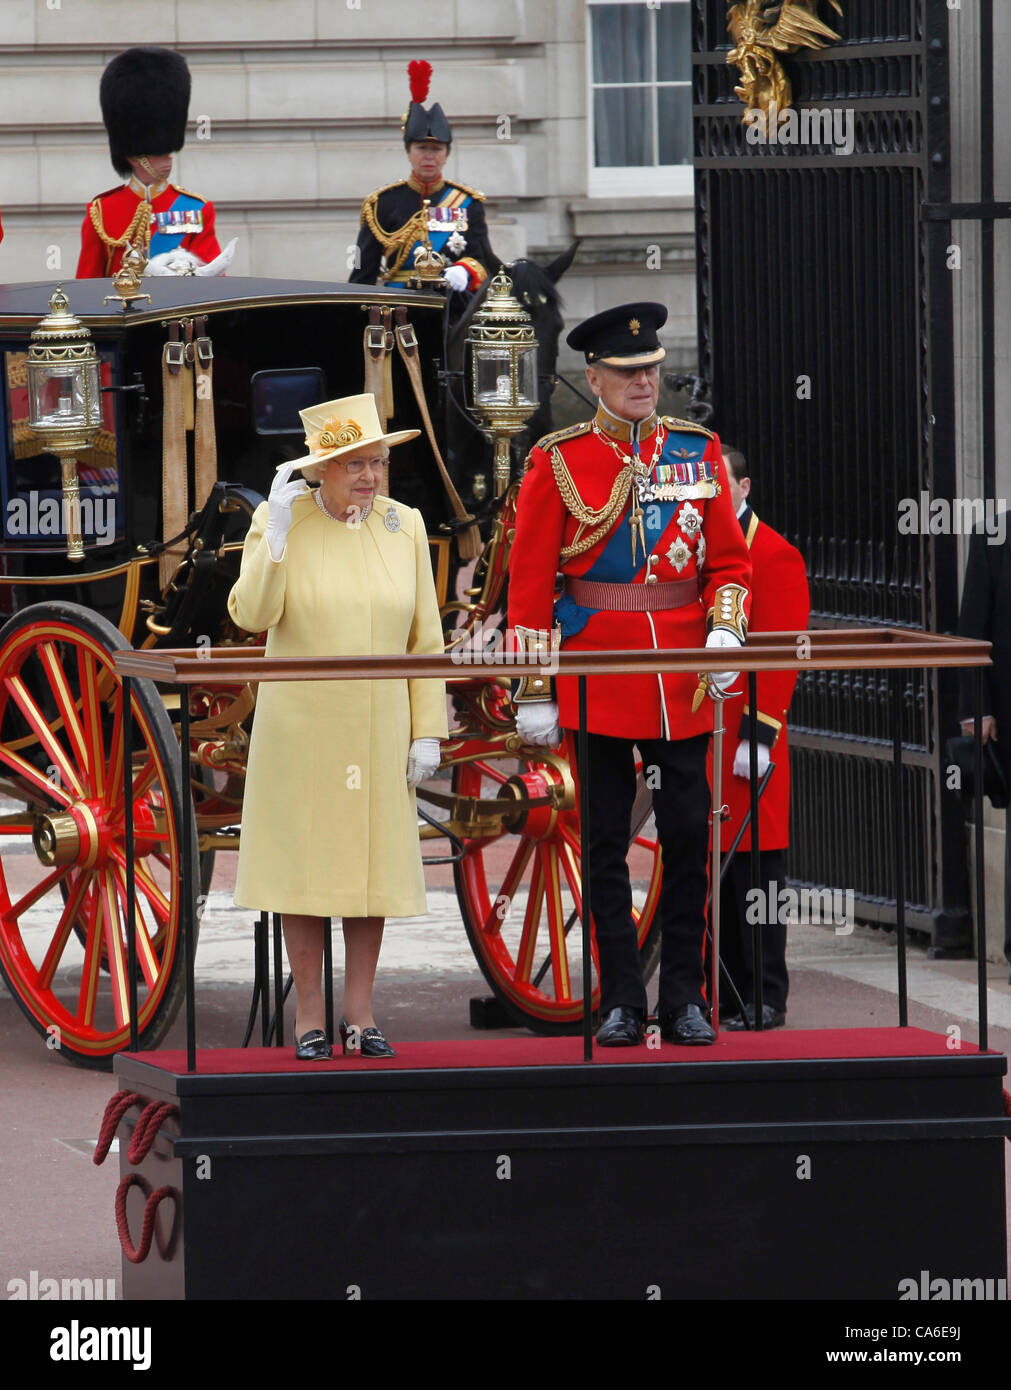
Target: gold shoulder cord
601 518
140 222
395 244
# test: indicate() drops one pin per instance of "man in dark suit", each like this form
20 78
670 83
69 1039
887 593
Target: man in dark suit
779 603
986 615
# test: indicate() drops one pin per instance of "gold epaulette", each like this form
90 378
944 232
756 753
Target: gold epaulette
188 191
671 422
560 436
473 192
372 198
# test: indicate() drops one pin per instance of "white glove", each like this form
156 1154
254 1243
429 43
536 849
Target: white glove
537 722
282 493
720 637
423 759
742 759
456 277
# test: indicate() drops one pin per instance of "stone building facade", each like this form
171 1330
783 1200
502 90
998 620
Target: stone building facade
296 114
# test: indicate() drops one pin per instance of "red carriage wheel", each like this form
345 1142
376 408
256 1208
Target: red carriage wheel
62 837
520 892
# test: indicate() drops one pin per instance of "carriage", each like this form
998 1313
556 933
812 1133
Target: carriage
199 390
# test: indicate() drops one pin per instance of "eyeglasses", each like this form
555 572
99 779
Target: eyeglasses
356 466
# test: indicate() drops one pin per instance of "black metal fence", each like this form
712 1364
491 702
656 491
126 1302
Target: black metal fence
826 335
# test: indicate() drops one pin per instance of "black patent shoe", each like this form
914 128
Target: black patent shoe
621 1027
771 1018
367 1042
313 1046
688 1027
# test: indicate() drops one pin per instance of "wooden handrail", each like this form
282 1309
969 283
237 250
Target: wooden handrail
827 649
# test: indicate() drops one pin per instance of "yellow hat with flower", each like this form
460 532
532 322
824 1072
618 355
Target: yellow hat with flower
341 426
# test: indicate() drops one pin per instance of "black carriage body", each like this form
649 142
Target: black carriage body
309 329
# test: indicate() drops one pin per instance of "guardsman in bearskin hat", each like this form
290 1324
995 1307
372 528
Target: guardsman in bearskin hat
145 96
780 602
635 512
394 218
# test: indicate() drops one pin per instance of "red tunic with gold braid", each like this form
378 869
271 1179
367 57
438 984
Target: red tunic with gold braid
573 514
174 219
779 603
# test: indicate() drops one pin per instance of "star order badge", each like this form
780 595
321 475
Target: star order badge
689 520
392 520
679 554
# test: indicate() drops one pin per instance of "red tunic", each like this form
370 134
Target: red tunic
779 603
647 706
173 207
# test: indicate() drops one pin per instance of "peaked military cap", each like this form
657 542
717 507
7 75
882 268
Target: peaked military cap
626 336
145 98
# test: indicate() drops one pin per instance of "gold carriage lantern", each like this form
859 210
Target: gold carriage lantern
65 401
503 375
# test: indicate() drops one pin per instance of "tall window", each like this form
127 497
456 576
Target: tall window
640 61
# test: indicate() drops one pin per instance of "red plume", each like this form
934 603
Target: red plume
419 73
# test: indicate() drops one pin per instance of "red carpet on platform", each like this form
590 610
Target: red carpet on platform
777 1045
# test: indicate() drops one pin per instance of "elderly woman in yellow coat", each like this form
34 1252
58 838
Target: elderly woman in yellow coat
329 824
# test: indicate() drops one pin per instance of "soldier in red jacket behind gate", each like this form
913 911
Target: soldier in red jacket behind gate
635 511
779 603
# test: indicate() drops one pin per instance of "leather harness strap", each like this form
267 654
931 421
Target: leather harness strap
469 537
174 510
205 445
379 371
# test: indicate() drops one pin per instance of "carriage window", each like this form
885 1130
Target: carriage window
640 62
278 395
31 489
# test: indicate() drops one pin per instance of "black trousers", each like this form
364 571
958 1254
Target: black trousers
676 772
736 933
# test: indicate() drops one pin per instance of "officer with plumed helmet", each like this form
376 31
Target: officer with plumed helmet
398 220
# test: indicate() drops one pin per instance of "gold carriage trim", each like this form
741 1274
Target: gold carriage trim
535 644
727 612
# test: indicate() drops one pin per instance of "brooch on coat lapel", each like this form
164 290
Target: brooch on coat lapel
392 520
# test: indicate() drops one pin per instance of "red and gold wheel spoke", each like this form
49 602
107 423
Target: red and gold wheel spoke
66 705
115 952
556 925
91 706
531 922
146 957
92 960
39 726
500 907
64 927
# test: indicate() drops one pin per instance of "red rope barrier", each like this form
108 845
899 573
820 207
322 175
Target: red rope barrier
139 1254
116 1108
147 1129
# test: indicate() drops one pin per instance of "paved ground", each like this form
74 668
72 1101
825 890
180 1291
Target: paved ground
56 1207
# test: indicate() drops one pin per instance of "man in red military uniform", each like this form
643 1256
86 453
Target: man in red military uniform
635 511
145 96
779 603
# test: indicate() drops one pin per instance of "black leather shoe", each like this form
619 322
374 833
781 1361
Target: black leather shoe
313 1046
367 1043
688 1026
621 1027
771 1018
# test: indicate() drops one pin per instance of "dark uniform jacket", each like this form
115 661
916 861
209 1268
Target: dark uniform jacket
386 233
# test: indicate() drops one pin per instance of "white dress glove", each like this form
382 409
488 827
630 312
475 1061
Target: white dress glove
456 277
282 493
537 722
720 637
742 759
423 759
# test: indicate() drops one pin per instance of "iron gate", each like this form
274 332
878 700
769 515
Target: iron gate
825 323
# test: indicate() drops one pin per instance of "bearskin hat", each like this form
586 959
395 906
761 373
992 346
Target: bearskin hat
419 123
145 96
